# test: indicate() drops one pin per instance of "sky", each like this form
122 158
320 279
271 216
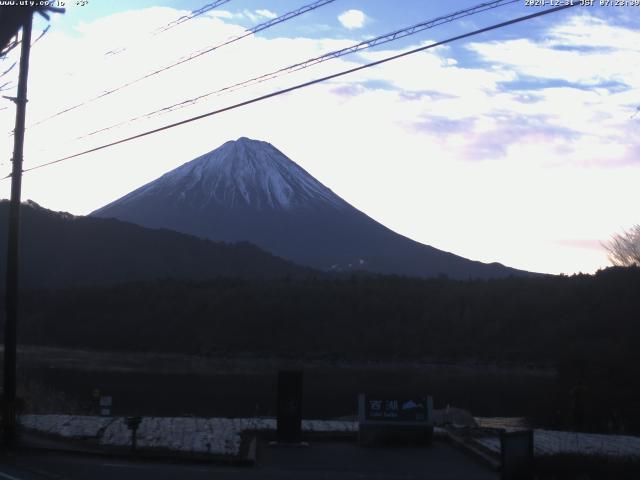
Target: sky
519 146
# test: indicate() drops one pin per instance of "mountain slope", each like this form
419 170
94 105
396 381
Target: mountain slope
247 190
59 249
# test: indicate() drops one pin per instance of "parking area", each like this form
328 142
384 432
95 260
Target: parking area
345 459
342 460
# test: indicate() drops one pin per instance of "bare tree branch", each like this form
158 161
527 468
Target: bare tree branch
624 248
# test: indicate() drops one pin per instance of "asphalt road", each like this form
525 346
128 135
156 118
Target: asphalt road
321 460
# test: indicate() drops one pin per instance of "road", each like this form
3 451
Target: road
321 460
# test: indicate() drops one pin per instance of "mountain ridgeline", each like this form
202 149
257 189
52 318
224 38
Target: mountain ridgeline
247 190
61 250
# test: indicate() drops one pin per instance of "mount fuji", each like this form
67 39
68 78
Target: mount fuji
247 190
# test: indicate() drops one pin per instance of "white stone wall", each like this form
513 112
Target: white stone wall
219 436
549 442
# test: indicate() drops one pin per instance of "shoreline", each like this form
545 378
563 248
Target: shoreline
30 356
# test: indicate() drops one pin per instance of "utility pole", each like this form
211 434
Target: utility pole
9 423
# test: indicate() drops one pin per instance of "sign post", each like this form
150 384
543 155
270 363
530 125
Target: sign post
394 419
106 404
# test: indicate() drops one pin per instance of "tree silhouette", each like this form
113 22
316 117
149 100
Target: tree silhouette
624 248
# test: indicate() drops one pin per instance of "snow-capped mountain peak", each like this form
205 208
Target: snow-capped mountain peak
242 174
247 190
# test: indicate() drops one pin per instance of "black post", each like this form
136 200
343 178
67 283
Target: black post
516 452
289 428
133 423
11 300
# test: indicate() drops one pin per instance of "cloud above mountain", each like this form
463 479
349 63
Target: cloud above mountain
522 140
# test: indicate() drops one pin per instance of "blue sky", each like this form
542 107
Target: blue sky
519 145
382 16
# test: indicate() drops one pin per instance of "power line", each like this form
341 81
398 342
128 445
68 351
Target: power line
193 14
4 86
42 34
10 47
17 42
379 40
9 69
174 23
199 53
305 84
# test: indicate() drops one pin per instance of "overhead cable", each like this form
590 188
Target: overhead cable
379 40
192 15
305 84
199 53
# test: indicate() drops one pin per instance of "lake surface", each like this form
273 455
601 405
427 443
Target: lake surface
248 387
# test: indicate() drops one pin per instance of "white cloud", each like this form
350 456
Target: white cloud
221 14
252 15
584 50
467 164
352 19
266 13
259 15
